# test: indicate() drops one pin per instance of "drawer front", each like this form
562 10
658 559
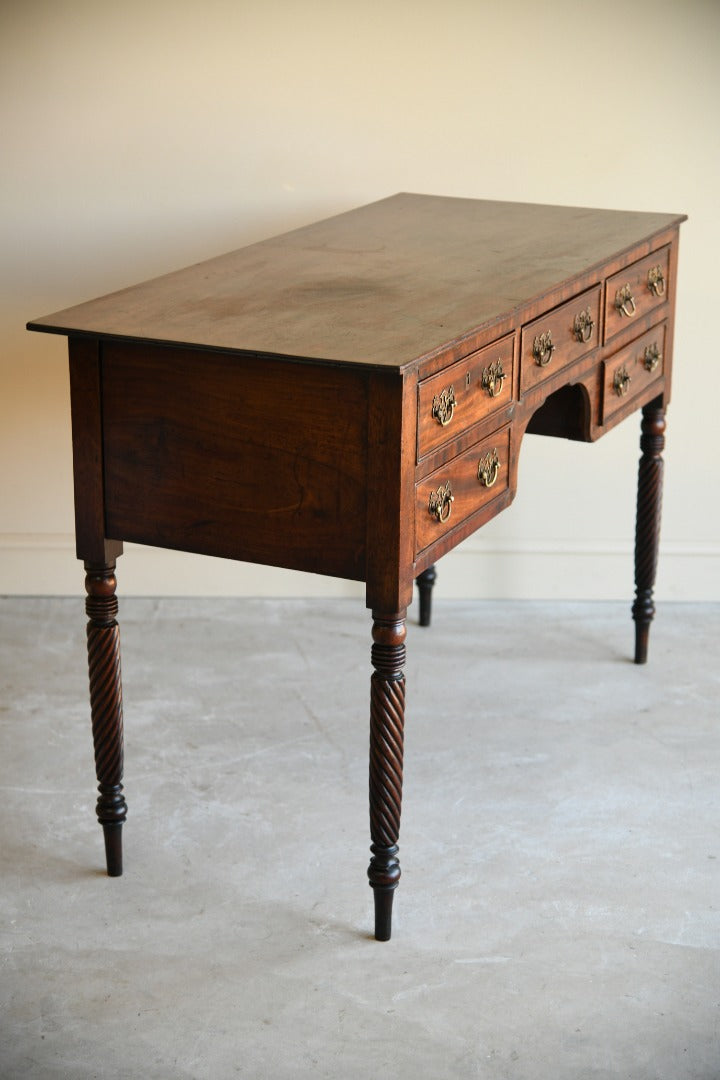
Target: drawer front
458 397
635 291
453 493
555 340
629 372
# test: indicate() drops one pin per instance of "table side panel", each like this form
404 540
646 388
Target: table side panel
254 459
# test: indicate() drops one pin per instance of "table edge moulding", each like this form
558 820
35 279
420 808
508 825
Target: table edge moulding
350 399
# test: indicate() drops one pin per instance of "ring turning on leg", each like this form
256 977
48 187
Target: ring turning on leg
647 531
387 716
103 641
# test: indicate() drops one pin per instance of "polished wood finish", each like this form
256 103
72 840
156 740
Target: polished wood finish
425 583
469 493
629 373
289 404
390 526
387 720
635 278
91 540
384 284
103 644
647 531
248 462
468 383
568 341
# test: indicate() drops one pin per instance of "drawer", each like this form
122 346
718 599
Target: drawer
558 338
470 390
454 492
629 372
636 290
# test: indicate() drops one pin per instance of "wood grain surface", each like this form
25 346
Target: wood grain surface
382 285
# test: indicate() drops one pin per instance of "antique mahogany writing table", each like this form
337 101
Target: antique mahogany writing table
350 399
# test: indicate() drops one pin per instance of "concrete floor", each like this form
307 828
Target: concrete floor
558 916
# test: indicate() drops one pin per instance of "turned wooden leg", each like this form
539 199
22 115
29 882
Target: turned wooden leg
103 639
425 582
387 716
647 531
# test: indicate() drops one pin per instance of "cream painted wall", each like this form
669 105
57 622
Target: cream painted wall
139 137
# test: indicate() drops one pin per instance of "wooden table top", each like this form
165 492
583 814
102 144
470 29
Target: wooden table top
379 286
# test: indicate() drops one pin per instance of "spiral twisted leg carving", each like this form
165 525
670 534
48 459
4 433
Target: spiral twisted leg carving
425 582
647 532
387 717
103 641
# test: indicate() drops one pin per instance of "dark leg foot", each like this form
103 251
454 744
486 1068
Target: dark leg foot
103 639
387 717
425 582
647 530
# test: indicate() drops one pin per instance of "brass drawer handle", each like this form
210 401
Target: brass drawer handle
493 378
652 356
543 349
625 301
656 281
621 382
583 325
443 406
440 503
488 468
